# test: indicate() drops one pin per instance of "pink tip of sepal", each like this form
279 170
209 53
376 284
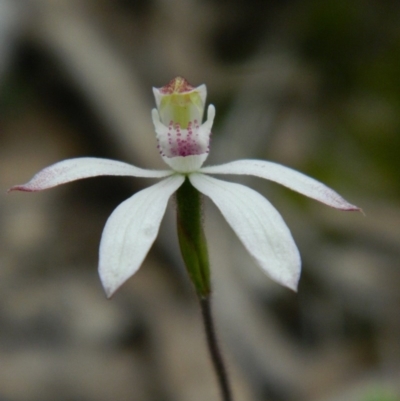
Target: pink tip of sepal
23 188
348 207
355 209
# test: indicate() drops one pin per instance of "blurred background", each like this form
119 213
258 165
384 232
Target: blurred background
310 84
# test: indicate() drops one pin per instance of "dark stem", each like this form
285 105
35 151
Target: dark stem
215 353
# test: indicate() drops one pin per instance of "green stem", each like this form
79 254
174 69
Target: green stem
195 255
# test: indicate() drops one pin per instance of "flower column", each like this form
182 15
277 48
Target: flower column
181 141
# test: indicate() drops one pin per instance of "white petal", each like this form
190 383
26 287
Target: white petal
286 176
258 225
130 232
84 167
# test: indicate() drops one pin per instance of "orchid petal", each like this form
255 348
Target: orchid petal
130 232
285 176
84 167
258 225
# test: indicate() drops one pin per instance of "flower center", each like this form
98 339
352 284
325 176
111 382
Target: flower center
178 124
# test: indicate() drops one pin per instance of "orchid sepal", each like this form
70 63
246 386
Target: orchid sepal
286 176
258 225
130 232
79 168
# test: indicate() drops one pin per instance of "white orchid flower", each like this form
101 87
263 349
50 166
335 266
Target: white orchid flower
183 143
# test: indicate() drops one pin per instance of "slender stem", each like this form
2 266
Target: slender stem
215 353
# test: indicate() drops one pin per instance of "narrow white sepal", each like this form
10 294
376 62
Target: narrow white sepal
285 176
84 167
130 232
258 225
